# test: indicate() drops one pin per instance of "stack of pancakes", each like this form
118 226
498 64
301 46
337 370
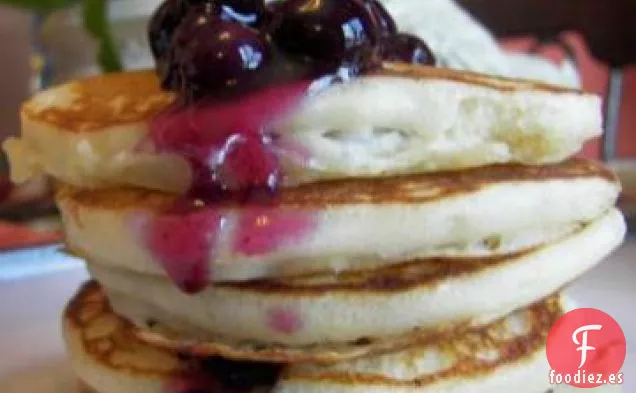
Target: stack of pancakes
419 245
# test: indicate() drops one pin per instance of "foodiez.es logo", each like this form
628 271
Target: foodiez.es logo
586 348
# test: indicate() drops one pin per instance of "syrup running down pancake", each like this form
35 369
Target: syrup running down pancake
336 226
291 319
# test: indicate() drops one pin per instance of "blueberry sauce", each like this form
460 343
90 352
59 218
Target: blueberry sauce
283 320
185 241
229 144
238 67
183 244
262 230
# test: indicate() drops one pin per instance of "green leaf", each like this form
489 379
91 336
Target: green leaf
97 24
42 6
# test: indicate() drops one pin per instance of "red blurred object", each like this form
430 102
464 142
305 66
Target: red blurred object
18 236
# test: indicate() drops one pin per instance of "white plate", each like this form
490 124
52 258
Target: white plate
33 360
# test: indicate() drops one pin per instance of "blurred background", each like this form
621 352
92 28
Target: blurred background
578 43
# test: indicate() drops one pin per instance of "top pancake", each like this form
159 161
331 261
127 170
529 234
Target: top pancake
400 120
96 103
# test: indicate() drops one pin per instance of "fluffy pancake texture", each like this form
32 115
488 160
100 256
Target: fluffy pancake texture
507 355
291 319
401 120
352 224
83 388
420 225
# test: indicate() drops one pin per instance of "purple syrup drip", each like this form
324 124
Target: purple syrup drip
284 320
228 144
183 244
231 156
262 229
185 240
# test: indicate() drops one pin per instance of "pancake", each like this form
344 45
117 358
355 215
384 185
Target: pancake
83 388
291 320
506 356
338 225
560 389
400 120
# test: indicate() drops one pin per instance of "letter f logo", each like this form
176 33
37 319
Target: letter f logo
584 348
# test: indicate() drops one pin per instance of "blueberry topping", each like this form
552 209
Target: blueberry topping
408 49
326 33
211 48
161 30
382 18
164 22
267 57
247 12
245 7
212 54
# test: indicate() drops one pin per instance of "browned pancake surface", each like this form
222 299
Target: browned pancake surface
112 342
114 99
400 189
395 278
99 102
471 78
109 340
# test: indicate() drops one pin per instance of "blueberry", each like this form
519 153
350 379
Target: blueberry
161 29
221 47
247 12
383 19
327 33
163 24
214 55
245 6
408 49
